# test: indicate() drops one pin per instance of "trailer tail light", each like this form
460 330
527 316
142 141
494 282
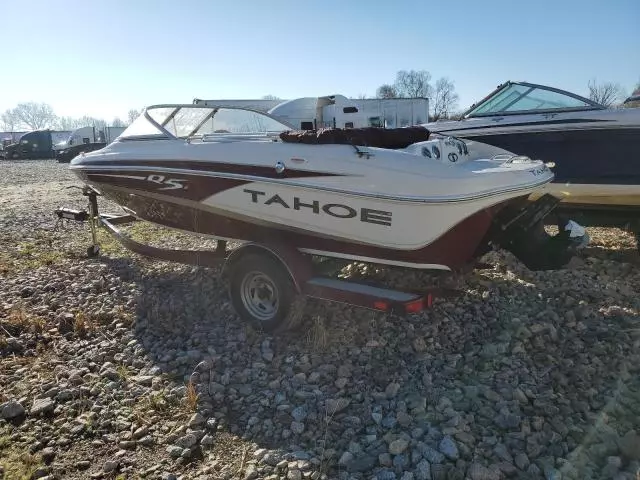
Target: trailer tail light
380 305
415 306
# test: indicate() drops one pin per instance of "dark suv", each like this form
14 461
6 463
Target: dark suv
67 154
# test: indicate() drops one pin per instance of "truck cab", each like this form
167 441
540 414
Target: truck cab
32 145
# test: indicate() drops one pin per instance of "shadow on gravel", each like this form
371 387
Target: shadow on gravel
534 363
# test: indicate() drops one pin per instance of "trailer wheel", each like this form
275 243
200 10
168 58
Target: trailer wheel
262 293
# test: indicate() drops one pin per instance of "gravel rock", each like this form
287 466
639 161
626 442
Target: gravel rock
480 472
345 459
196 420
187 441
11 409
42 406
398 446
423 470
110 465
48 454
522 461
297 427
174 451
336 405
630 445
449 448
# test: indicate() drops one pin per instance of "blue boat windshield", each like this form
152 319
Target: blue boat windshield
528 98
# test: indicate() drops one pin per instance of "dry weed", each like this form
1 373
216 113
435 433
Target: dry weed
318 335
191 396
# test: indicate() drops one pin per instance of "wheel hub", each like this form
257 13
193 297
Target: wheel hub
259 295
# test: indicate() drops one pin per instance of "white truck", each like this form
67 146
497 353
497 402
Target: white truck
309 113
88 135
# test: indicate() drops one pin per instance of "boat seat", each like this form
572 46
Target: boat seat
393 138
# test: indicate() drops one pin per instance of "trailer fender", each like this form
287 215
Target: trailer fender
297 264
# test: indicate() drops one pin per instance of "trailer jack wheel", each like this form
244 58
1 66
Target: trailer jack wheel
93 251
262 293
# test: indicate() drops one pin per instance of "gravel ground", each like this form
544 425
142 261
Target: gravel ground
123 367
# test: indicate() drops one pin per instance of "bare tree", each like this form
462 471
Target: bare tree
270 97
362 96
9 120
132 115
117 122
413 84
386 91
87 121
606 93
35 115
445 98
66 123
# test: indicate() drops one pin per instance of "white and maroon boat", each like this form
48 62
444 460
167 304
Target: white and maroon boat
396 197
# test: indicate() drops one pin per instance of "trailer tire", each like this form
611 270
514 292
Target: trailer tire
262 293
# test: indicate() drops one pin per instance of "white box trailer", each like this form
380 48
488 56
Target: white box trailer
308 113
109 134
394 112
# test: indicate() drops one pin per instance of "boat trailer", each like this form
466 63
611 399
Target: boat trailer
267 281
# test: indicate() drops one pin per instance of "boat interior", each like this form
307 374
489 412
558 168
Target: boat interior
224 124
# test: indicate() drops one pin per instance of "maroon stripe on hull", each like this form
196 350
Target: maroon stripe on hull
220 167
192 187
455 248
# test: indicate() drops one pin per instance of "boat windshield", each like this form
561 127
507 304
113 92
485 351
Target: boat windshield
184 121
514 98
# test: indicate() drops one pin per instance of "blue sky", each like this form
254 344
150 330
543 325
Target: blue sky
84 59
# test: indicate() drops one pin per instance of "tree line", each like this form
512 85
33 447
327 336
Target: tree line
37 116
408 84
444 99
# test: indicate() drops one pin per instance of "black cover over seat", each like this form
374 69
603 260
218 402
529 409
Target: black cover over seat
392 138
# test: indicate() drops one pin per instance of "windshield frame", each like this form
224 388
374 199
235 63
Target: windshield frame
590 104
164 133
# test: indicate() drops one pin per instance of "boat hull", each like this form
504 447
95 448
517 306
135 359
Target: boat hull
596 153
592 166
409 234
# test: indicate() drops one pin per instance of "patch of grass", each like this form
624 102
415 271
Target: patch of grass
7 265
123 372
37 324
17 464
18 317
142 232
123 316
156 402
149 405
191 396
82 325
32 256
27 248
19 320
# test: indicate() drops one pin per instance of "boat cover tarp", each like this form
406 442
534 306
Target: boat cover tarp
365 136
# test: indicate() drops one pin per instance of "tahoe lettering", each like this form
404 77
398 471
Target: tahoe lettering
337 210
